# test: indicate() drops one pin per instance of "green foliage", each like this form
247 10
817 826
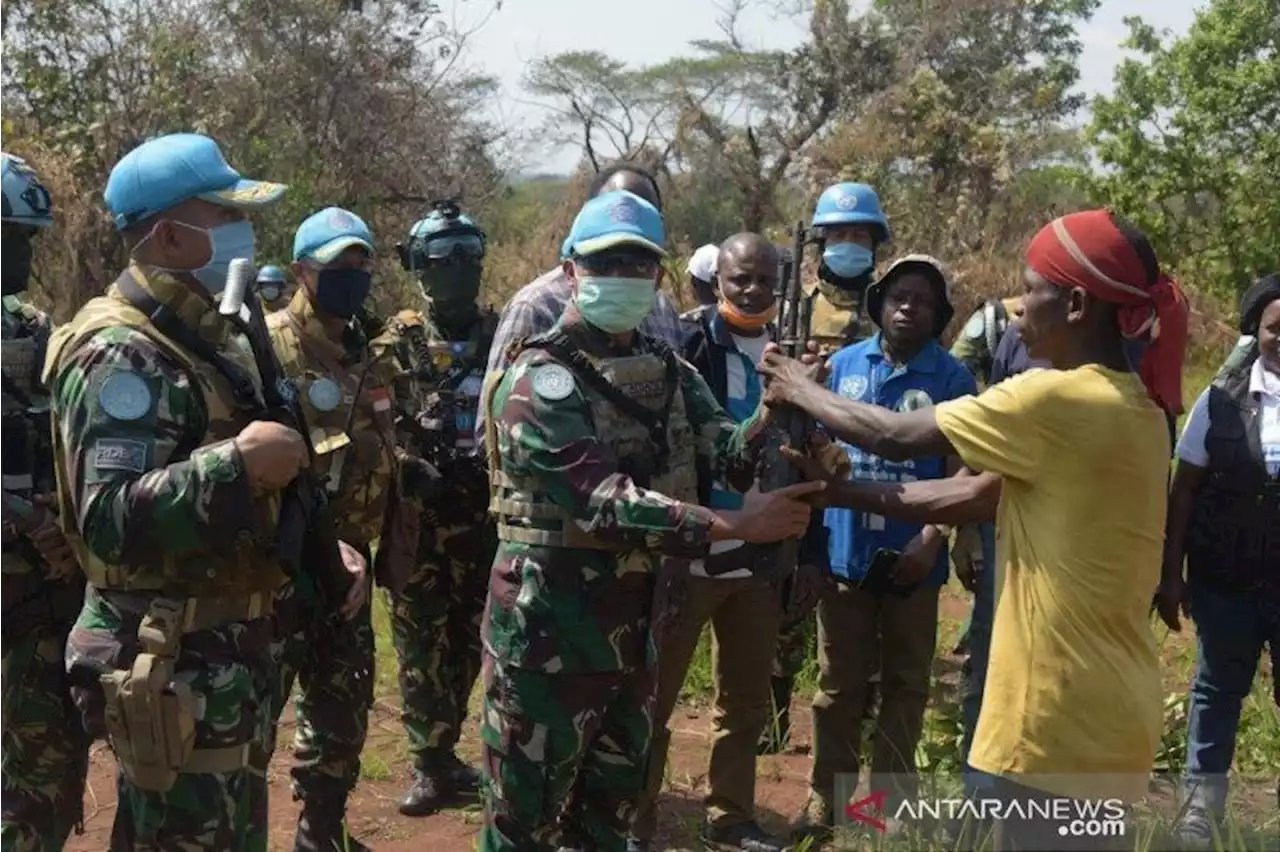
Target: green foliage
1190 142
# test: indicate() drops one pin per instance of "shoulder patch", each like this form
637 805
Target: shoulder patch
324 394
125 396
120 454
976 325
553 382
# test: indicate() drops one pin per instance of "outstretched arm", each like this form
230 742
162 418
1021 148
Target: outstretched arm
889 434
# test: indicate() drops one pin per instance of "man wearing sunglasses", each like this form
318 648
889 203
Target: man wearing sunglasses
441 350
348 410
594 438
46 751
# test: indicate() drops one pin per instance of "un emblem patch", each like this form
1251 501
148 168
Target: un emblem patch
853 387
914 400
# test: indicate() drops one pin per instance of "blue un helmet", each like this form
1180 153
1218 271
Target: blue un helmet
27 208
271 283
848 264
445 250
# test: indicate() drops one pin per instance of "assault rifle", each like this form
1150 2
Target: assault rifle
792 426
307 539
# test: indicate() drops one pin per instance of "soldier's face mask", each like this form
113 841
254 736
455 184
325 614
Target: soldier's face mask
453 288
16 250
227 242
340 291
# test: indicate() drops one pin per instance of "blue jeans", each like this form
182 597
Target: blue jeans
984 608
1231 628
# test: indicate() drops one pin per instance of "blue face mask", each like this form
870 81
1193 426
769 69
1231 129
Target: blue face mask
226 243
616 305
848 260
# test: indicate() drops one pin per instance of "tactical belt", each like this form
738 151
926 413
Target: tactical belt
150 713
566 534
194 614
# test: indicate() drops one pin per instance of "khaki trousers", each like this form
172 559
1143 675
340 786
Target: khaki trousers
744 616
858 634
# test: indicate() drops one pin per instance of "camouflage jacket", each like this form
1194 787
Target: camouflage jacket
975 347
354 438
437 384
576 610
27 456
835 319
152 490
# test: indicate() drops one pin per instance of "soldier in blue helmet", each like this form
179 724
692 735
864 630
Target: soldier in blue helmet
850 226
272 287
46 751
442 347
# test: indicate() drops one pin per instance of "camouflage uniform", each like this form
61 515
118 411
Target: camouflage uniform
975 347
46 751
579 592
835 323
435 620
357 463
179 554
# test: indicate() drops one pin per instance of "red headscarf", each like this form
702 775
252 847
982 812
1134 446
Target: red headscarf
1087 250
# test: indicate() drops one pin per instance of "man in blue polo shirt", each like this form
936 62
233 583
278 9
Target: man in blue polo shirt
868 623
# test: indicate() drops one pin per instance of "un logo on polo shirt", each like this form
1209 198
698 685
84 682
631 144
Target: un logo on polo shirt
914 400
853 387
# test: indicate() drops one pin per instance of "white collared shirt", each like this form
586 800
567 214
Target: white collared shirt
1265 386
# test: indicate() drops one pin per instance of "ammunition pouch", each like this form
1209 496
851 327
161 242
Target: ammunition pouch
150 715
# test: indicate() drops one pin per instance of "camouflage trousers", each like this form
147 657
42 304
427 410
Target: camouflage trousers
232 669
334 673
565 757
46 752
435 626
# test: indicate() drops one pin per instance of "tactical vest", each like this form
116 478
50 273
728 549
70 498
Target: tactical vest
203 573
524 511
832 327
1233 540
446 376
355 454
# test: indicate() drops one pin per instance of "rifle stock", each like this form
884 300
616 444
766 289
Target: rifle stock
307 539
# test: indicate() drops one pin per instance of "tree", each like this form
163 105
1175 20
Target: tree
362 109
736 118
980 102
1190 142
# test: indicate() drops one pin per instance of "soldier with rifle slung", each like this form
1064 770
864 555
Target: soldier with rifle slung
46 752
440 349
346 402
169 489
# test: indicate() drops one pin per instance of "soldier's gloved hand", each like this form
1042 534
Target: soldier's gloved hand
353 560
272 452
768 516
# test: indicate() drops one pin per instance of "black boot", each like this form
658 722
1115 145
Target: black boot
466 779
440 779
778 730
322 829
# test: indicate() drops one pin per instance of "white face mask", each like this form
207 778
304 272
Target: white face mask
226 243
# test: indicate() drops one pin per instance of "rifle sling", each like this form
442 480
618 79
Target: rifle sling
558 345
169 324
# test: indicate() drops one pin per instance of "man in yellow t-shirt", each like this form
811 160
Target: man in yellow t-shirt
1077 458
